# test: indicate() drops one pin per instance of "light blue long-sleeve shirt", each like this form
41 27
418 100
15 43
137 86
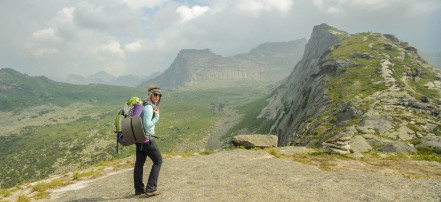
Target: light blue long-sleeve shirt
148 121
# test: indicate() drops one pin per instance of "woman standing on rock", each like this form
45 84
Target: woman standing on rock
150 115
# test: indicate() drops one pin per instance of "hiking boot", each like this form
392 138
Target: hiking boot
153 193
139 192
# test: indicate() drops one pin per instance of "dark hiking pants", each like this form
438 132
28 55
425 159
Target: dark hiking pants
143 150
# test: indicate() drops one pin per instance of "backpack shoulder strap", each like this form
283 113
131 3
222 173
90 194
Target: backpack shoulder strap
145 103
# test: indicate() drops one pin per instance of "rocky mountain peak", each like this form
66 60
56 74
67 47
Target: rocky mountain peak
196 53
373 88
267 63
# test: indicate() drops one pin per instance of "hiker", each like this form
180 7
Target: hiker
150 115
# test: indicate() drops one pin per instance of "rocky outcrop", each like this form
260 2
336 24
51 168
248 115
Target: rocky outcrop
292 102
373 88
267 63
337 144
252 141
398 148
432 142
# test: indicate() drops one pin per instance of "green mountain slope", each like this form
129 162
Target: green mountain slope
64 133
19 91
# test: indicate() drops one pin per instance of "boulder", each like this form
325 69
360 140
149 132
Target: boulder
397 148
251 141
359 144
348 112
376 141
361 55
403 133
380 123
434 142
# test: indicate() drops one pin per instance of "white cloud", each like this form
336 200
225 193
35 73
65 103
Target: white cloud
257 6
44 33
66 14
137 4
45 51
188 13
406 7
112 49
135 46
132 36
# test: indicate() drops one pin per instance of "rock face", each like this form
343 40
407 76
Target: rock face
251 141
371 87
269 62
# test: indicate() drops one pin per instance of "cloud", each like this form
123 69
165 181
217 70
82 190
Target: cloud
45 51
112 49
258 6
137 4
55 38
44 33
188 13
135 46
407 7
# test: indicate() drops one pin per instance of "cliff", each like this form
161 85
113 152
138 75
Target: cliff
372 88
267 63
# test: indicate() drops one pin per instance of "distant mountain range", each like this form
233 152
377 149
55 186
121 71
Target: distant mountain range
267 63
19 91
103 77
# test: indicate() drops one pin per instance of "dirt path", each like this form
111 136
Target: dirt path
249 175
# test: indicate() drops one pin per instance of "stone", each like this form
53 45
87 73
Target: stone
334 150
290 150
360 144
403 133
357 155
434 142
361 55
251 141
397 148
337 144
348 112
379 123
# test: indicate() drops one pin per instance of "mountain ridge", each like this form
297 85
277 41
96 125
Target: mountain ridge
269 62
103 77
20 90
371 87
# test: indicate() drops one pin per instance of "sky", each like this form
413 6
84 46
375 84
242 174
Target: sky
55 38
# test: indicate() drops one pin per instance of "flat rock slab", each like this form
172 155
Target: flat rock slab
292 150
253 175
251 141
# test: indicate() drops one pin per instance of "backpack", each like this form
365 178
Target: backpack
128 123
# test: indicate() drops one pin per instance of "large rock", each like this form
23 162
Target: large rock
380 123
359 144
251 141
434 142
397 148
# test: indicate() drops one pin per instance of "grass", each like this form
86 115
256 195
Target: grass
23 198
406 165
44 186
187 116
